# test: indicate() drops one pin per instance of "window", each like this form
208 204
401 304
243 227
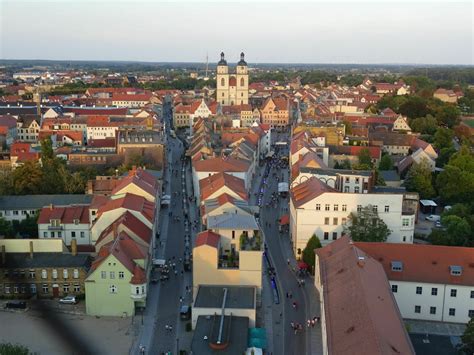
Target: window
454 292
432 310
470 313
419 290
137 290
233 234
357 180
82 235
334 235
387 208
65 273
121 275
326 220
103 274
77 288
45 288
222 84
356 189
334 221
73 234
66 288
375 208
456 270
32 274
326 235
434 291
15 213
397 266
326 207
344 208
346 188
343 221
60 235
417 309
472 294
242 82
394 288
347 179
45 234
33 288
359 208
318 207
336 207
7 289
55 274
112 274
452 312
405 222
15 289
44 274
113 289
75 273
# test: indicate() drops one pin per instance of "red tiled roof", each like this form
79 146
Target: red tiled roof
207 237
97 111
424 263
66 214
141 179
132 97
308 190
101 143
361 314
222 165
132 223
130 202
7 121
213 183
139 276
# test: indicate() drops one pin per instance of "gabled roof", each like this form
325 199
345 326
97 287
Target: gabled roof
308 190
361 314
139 177
424 263
213 183
207 237
221 165
130 202
66 214
132 223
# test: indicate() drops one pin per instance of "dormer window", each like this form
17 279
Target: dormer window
76 221
397 266
456 270
55 222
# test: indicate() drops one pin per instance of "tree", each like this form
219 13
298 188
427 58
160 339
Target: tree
366 226
467 338
308 251
443 138
47 149
456 231
365 160
345 164
424 125
456 182
27 179
13 349
6 229
448 115
419 179
386 163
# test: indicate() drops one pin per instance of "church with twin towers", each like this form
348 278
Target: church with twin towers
232 88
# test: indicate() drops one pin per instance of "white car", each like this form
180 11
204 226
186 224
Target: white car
68 300
433 218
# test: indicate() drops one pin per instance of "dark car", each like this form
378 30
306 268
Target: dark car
185 312
16 305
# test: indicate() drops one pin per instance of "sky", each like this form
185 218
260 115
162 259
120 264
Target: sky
402 32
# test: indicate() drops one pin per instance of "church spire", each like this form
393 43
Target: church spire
222 61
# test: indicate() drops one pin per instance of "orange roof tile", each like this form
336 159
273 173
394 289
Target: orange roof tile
207 237
308 190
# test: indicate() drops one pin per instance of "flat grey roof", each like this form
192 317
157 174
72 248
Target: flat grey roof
235 335
232 221
36 202
390 175
389 189
242 297
23 260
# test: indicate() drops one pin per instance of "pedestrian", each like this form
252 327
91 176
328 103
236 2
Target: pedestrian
181 300
308 322
175 272
313 323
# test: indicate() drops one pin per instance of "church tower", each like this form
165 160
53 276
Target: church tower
242 76
232 89
222 81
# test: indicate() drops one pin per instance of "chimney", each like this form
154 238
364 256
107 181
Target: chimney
31 249
51 206
74 247
361 261
4 256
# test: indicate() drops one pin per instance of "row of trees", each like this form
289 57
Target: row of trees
27 228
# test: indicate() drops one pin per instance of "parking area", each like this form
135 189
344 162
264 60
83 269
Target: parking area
105 335
423 226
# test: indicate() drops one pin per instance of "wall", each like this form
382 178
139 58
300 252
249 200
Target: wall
39 245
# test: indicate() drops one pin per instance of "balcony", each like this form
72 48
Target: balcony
229 260
55 228
253 243
138 297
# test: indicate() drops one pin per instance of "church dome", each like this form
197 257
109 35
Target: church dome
242 59
222 61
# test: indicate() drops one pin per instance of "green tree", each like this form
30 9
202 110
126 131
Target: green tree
424 125
386 163
308 251
28 226
467 338
47 149
367 226
27 179
456 182
13 349
365 160
6 228
443 138
448 115
456 231
419 179
444 155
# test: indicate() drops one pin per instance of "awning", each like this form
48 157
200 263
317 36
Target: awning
303 265
430 203
285 219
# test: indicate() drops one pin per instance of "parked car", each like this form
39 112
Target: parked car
16 305
68 300
433 218
185 312
438 224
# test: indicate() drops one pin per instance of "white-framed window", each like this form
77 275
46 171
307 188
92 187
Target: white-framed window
7 289
344 208
103 274
65 274
359 208
405 222
452 312
112 274
327 207
387 208
336 207
394 288
375 208
77 288
318 207
75 273
32 274
356 189
113 289
44 274
45 288
121 275
33 288
83 234
55 274
417 309
66 288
